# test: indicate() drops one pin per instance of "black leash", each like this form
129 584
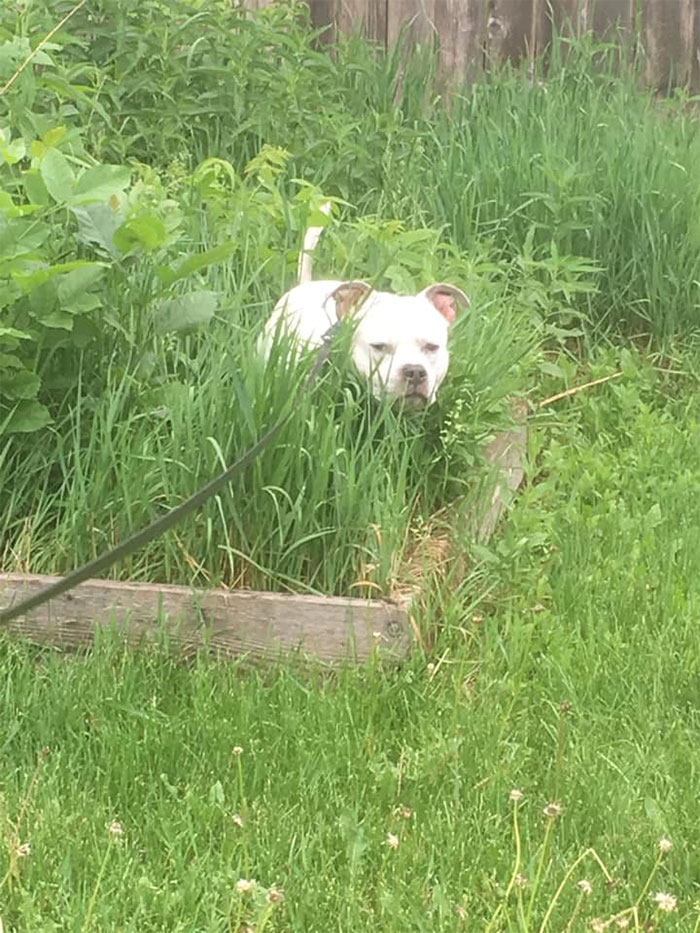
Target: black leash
172 517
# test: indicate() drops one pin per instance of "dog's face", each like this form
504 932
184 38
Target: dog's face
400 342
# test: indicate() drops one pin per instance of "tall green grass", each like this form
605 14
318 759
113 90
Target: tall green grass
579 161
564 207
588 600
563 654
344 487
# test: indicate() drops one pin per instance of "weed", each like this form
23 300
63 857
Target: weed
158 164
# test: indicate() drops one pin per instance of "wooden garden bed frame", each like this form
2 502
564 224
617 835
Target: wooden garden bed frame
232 623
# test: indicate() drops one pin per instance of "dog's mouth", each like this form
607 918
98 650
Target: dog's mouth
413 400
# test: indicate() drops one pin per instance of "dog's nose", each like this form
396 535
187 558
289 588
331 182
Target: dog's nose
414 375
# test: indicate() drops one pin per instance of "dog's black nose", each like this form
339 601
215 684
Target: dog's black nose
414 375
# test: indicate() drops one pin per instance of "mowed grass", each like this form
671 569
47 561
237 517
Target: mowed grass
565 666
560 659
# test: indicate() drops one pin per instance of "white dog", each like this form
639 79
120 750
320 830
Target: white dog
399 342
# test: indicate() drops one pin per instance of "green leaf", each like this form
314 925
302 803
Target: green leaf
628 365
550 368
213 174
8 208
19 384
82 304
147 231
38 277
57 175
196 262
400 280
654 517
12 152
54 136
35 188
98 223
185 312
60 319
84 331
78 281
14 333
9 293
216 794
27 417
101 182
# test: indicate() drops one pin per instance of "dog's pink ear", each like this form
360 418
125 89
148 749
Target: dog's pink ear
349 295
445 299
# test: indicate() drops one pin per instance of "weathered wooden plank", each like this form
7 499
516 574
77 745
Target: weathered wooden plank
369 16
576 17
462 28
322 15
613 17
229 623
472 34
609 20
694 40
509 28
507 454
412 16
671 34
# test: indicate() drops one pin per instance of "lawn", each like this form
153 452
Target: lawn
150 214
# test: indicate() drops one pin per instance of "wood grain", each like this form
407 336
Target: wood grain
475 34
462 28
413 17
507 454
351 16
261 625
576 17
358 15
671 32
509 30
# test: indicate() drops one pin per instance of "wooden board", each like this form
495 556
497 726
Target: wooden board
671 31
515 30
234 623
371 19
229 623
412 17
474 34
507 454
350 16
459 28
462 29
576 17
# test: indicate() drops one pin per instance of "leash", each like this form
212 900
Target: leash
162 524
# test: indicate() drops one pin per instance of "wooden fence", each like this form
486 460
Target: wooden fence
474 33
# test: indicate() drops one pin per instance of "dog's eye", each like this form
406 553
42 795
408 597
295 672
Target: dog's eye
431 347
380 347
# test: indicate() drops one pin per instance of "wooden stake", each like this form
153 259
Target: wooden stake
576 390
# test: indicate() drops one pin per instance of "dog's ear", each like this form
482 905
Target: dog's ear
349 295
445 298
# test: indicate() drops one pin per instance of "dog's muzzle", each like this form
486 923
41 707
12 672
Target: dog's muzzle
415 376
415 380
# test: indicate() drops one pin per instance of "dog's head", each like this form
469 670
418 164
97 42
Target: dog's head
400 341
